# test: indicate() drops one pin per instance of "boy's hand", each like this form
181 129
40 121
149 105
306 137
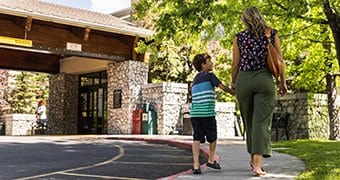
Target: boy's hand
231 91
233 87
227 89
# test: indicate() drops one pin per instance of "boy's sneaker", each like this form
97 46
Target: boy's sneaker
196 171
214 165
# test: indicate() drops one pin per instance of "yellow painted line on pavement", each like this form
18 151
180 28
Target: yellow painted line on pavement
120 154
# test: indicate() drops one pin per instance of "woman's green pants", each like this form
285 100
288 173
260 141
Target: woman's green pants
255 92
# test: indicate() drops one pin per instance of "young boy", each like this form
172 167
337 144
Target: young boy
202 110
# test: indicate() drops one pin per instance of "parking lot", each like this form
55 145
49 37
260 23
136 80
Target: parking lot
90 158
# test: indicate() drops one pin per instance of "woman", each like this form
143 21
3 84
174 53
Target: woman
254 85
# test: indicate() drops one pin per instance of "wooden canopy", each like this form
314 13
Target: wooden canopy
36 41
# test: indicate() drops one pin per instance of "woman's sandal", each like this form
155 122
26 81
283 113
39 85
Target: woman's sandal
259 174
252 167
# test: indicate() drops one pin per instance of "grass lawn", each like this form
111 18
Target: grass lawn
321 157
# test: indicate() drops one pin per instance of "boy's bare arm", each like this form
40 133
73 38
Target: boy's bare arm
226 89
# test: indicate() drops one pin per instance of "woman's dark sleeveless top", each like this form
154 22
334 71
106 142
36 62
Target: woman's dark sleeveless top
253 52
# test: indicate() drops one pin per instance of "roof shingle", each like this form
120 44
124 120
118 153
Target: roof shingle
54 12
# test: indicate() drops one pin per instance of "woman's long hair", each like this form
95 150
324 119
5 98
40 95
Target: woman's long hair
254 21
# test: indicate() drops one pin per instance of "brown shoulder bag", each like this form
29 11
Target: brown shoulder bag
275 61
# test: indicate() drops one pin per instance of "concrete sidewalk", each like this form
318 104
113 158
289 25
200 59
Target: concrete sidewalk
234 161
233 158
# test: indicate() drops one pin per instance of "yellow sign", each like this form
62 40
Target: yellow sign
15 41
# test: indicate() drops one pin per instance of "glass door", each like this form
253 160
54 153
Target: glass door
92 118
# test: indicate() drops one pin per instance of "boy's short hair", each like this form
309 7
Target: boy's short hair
199 59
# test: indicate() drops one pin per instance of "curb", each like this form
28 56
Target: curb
203 151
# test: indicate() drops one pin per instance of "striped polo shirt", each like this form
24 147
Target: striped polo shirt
203 95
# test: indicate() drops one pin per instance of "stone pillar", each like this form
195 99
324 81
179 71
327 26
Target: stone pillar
175 94
62 104
129 77
225 119
168 98
318 116
4 106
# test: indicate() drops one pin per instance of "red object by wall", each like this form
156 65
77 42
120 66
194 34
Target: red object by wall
137 121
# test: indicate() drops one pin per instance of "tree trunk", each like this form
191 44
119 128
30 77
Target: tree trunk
334 22
333 108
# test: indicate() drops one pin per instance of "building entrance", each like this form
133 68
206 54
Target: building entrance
92 116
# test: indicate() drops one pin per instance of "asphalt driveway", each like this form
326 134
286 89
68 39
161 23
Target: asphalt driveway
89 158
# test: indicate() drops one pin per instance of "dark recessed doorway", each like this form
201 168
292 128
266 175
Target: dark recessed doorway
92 116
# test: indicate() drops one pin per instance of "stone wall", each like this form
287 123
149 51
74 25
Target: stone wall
308 116
225 120
62 105
18 124
4 106
129 77
167 99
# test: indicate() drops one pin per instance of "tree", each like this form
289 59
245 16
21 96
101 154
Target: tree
320 17
27 88
301 27
309 31
171 57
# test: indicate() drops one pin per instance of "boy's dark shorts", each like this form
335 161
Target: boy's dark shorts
204 127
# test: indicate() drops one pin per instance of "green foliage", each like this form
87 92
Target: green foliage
306 40
322 158
223 70
27 89
310 74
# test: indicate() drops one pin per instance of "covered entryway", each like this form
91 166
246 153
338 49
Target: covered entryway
88 55
92 118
